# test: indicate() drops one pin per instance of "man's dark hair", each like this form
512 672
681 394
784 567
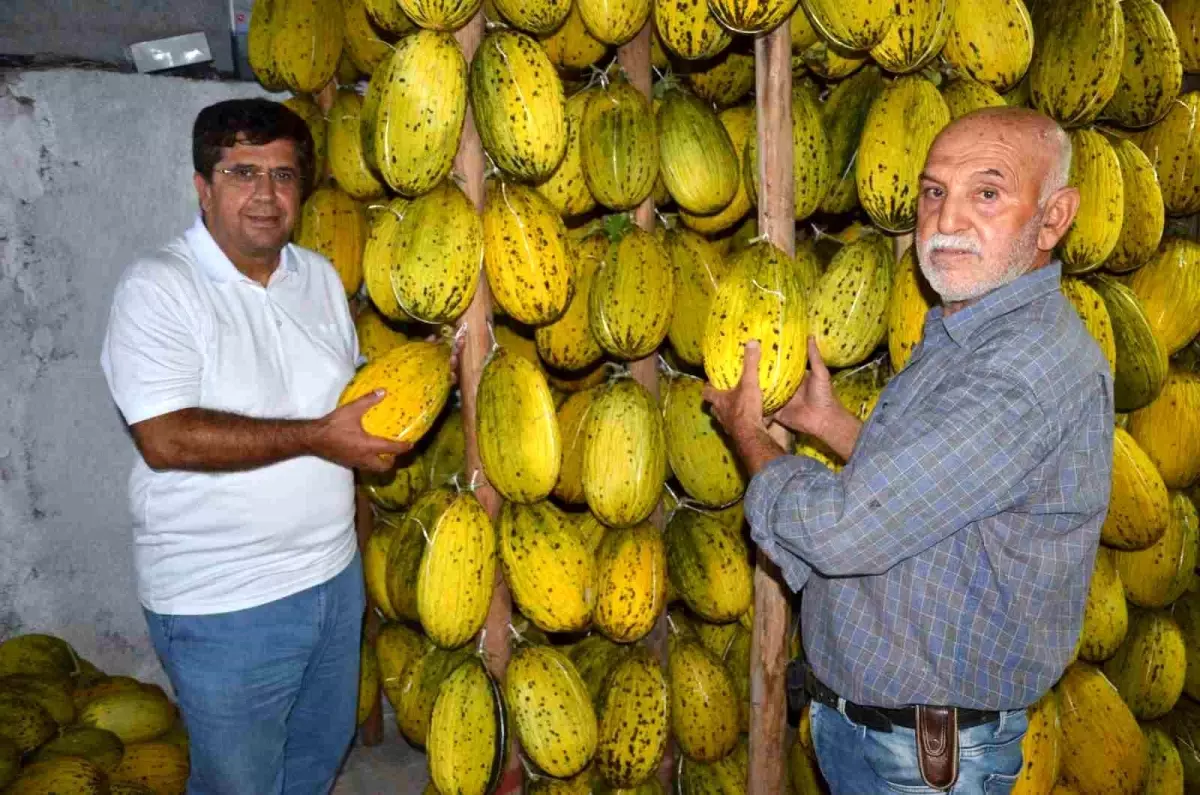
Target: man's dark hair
248 121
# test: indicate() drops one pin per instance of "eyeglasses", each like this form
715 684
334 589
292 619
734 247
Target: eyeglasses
250 175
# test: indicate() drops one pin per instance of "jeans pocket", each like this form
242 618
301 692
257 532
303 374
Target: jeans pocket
892 757
999 784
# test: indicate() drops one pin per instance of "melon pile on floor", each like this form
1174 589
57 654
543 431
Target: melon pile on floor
67 727
582 454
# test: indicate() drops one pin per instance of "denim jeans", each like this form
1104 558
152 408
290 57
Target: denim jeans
857 761
268 694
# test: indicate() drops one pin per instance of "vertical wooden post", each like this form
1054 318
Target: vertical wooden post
776 221
469 165
634 58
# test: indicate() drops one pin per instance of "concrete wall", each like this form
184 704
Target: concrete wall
94 168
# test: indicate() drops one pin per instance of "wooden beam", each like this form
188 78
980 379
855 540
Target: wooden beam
634 58
776 221
469 165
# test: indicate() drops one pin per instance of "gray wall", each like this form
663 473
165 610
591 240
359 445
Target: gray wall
94 168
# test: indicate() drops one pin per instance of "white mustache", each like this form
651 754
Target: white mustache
940 242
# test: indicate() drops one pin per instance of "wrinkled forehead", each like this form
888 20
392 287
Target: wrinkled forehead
1007 151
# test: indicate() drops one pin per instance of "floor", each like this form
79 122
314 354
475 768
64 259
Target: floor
393 766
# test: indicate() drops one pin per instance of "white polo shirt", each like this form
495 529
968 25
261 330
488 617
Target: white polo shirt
186 330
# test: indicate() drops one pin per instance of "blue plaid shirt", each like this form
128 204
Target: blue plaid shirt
948 562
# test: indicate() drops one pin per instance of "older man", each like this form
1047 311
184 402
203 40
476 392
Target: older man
945 568
226 352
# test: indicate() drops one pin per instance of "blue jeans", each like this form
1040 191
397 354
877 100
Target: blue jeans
856 760
268 694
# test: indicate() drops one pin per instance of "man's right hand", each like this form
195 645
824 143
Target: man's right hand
340 438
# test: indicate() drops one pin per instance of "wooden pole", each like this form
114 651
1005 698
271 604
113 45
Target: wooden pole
634 58
776 222
469 164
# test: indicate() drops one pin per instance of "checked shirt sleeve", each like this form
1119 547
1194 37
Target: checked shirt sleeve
916 478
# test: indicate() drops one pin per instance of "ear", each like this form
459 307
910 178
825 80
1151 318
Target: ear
1060 213
203 191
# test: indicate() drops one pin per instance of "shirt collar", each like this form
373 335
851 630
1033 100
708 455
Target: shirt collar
217 265
1023 290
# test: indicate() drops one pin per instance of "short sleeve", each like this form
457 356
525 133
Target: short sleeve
151 355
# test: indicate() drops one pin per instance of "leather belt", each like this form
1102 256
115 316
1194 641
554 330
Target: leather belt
801 679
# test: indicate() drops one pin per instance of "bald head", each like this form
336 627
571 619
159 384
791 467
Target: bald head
994 200
1046 145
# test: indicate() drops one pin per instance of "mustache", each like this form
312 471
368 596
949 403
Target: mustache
940 242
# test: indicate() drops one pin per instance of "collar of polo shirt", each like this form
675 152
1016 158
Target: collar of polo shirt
217 265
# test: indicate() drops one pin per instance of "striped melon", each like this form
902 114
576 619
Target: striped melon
547 567
704 705
526 253
708 565
573 415
1173 146
1041 748
992 41
443 15
457 573
1096 173
916 37
633 717
1105 615
828 61
407 548
689 29
910 300
965 94
900 128
1184 16
417 378
347 162
1168 429
571 46
538 17
699 268
1148 668
314 117
518 105
1141 356
259 52
1144 213
567 188
1139 507
436 252
761 298
844 114
420 102
739 121
848 309
723 80
550 707
1164 775
568 343
1152 74
625 457
631 582
1104 749
517 432
614 22
468 732
1158 575
635 266
1094 314
306 42
333 224
389 17
377 259
851 24
700 453
364 46
696 157
1077 64
619 147
1168 288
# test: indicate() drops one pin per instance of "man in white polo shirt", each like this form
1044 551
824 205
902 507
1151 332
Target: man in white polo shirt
226 352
